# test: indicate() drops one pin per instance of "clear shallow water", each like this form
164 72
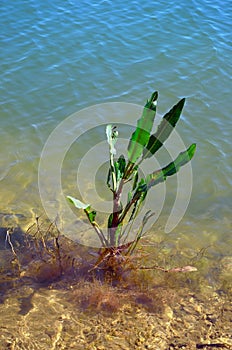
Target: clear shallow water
58 58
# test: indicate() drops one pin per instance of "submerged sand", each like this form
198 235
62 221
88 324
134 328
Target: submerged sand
41 309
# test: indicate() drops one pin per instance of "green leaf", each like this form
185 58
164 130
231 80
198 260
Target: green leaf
142 187
172 168
78 204
120 166
141 135
136 177
91 215
122 163
110 220
86 207
165 128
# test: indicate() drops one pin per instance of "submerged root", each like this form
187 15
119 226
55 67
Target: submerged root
44 256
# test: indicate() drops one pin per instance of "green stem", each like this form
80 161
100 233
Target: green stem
98 230
128 170
128 206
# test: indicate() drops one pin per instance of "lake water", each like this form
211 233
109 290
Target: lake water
58 58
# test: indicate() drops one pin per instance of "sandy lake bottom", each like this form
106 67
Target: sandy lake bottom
148 309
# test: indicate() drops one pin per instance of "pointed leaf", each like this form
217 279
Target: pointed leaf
165 128
141 135
172 168
122 163
78 204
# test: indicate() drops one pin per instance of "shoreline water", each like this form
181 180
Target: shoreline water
167 310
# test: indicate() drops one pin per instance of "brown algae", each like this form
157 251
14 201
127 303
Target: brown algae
49 300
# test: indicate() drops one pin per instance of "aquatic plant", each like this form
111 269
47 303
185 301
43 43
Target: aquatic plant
142 145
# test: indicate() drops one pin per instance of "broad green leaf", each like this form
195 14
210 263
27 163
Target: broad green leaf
78 204
86 207
172 168
152 103
141 135
165 128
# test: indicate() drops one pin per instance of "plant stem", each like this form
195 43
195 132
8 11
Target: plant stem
97 229
116 212
114 181
128 206
128 171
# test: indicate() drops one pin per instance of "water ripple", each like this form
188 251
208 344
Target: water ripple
58 57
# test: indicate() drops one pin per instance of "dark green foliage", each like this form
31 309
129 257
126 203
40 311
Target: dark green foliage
142 145
165 128
172 168
140 137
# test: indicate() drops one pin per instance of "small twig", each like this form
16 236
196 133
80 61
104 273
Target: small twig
175 269
200 254
7 239
8 232
57 252
156 267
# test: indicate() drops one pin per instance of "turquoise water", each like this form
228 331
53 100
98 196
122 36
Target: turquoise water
59 57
